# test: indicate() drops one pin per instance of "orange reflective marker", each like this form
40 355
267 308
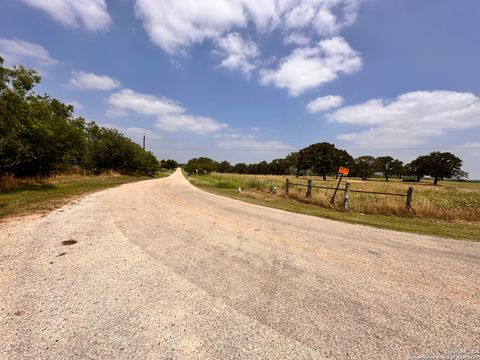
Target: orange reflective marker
343 170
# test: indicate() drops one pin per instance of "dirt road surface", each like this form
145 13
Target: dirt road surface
162 270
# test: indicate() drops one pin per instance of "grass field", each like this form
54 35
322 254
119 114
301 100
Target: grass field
451 209
19 197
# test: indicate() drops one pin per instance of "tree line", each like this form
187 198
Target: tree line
324 159
169 164
40 135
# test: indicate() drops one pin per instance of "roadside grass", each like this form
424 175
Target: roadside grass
448 210
26 196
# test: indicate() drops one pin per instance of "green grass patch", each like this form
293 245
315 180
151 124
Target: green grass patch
457 229
46 196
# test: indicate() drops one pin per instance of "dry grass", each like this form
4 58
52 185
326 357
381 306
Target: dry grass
447 201
9 182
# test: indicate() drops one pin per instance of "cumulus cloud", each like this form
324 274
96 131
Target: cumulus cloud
238 53
89 81
410 119
170 115
324 103
310 67
296 38
15 51
176 25
321 16
89 14
145 104
237 140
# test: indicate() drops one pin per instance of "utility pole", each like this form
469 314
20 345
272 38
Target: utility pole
143 141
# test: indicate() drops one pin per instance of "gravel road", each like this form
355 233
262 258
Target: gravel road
162 270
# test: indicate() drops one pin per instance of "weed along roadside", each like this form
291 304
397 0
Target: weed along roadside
451 210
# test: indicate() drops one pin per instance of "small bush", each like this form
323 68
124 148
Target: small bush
225 184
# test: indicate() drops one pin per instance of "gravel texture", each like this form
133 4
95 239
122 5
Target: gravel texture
162 270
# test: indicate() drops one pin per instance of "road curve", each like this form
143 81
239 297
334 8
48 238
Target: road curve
162 270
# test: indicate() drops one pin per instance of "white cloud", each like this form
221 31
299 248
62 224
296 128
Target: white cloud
236 140
144 104
326 18
16 51
176 25
90 14
89 81
170 116
139 132
189 123
307 68
296 38
75 104
324 103
238 53
472 145
410 119
135 133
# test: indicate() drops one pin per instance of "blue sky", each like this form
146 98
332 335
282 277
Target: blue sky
246 80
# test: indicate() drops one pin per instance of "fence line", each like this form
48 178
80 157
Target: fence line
378 193
347 190
313 186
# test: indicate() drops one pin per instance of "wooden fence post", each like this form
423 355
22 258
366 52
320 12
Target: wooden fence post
346 197
287 184
409 198
309 189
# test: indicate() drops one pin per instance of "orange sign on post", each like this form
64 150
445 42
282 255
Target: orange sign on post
342 171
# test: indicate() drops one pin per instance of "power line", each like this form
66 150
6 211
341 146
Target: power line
419 148
220 149
346 148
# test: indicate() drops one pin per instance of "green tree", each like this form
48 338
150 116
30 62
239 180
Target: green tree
278 167
443 165
418 167
292 161
200 166
364 166
460 175
397 168
15 90
168 164
224 167
240 168
262 168
389 166
39 134
323 158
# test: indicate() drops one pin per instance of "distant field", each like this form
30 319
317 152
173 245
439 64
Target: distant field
18 197
450 209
